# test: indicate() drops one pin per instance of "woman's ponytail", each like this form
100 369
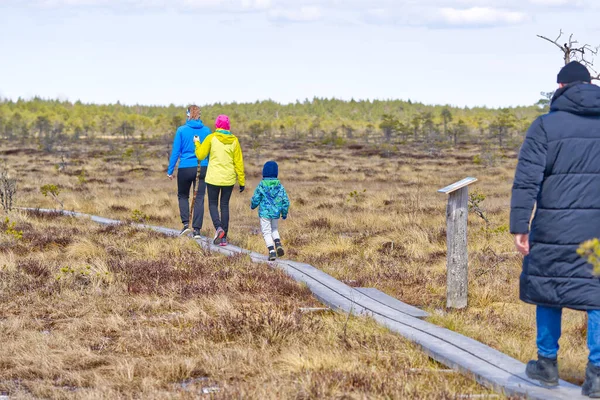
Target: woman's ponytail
194 112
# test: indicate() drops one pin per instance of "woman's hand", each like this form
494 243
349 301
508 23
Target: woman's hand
170 176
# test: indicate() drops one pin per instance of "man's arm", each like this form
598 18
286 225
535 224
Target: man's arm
528 180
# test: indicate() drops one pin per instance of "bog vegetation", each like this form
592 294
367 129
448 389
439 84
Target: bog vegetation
115 312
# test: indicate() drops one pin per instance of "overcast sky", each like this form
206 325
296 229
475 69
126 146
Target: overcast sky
459 52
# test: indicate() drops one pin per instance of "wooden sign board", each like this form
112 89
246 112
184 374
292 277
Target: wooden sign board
458 185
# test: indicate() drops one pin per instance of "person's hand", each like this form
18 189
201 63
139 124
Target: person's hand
242 188
170 176
284 217
196 139
522 243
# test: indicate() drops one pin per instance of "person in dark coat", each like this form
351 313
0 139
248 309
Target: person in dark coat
558 173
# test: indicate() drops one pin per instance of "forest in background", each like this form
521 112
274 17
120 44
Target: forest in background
51 123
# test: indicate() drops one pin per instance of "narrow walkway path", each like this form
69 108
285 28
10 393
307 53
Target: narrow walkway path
488 366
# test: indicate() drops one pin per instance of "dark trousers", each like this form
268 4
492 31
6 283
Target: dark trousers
185 178
224 192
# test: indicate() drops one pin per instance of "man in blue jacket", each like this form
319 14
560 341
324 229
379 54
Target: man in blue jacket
184 151
559 173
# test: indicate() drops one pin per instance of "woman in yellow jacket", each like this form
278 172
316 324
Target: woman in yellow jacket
225 165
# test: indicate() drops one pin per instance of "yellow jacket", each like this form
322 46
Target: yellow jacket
225 161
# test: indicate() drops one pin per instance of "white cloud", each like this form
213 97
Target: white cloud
302 14
242 5
229 5
427 13
380 15
256 4
552 2
548 2
481 16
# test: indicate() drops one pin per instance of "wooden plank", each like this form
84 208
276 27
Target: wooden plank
458 185
392 302
456 234
488 366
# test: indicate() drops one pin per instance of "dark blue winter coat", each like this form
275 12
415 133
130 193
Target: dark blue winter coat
559 172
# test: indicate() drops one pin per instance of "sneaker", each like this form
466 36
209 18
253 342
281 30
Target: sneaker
591 386
197 234
223 242
280 252
219 234
544 370
186 229
272 255
279 247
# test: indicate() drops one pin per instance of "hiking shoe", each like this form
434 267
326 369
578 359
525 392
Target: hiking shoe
544 370
197 234
186 229
280 252
223 242
219 234
279 247
272 255
591 386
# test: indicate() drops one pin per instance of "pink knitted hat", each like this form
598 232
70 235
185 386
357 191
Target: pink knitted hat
222 122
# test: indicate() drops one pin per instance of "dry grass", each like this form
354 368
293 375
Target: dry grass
104 312
150 306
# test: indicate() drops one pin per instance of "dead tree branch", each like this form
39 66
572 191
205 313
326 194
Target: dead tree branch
572 52
555 41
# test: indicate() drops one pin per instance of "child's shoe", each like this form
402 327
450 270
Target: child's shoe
280 252
223 242
219 234
272 254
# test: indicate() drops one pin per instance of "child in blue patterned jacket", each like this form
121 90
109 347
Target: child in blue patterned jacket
272 201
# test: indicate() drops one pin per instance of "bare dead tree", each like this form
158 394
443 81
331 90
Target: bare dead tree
573 51
8 189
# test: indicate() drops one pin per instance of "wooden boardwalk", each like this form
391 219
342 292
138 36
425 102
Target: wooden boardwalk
488 366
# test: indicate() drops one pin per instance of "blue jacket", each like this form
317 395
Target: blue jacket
272 199
559 172
183 145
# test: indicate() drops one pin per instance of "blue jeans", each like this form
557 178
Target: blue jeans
549 329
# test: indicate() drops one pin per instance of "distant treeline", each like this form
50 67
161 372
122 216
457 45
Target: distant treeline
329 121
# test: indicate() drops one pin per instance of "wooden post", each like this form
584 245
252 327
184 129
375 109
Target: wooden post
457 212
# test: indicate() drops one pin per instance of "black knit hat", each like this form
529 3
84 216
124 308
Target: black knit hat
573 72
